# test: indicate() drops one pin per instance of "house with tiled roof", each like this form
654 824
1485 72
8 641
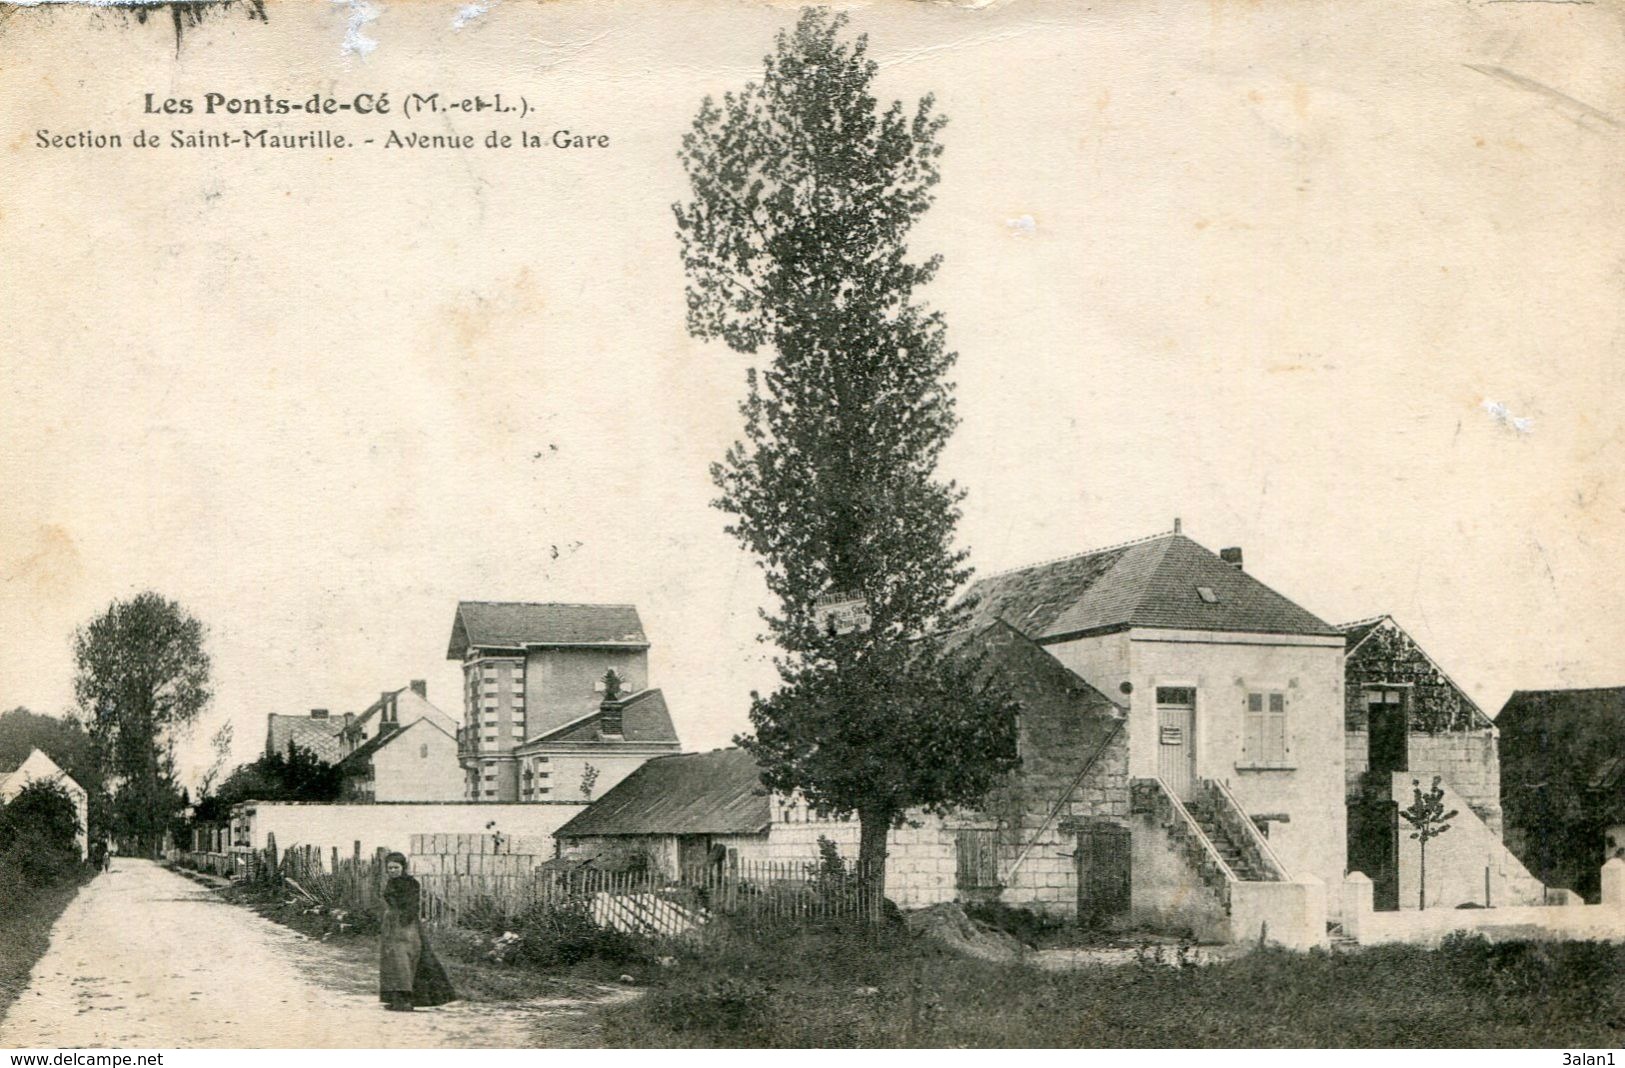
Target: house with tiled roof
401 748
1235 728
318 732
556 699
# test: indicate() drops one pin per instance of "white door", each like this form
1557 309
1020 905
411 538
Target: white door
1176 741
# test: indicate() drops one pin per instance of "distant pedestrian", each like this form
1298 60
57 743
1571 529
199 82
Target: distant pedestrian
409 975
98 855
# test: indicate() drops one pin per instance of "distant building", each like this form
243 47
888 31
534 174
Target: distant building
556 681
37 767
317 732
416 762
393 709
1563 781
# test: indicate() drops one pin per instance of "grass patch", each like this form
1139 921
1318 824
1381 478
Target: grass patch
565 967
27 914
822 988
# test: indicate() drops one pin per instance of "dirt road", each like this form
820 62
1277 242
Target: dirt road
146 958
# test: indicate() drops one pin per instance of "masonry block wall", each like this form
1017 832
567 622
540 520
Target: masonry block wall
391 826
1469 762
1030 823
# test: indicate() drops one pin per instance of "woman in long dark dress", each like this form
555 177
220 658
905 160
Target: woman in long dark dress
409 974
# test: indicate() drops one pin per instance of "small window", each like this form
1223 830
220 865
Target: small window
423 751
1207 595
1176 696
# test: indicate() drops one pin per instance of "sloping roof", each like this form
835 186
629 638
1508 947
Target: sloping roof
516 624
320 736
719 792
1590 713
644 719
1440 700
363 753
1357 632
1149 583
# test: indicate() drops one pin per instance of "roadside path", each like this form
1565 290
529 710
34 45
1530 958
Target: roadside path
144 957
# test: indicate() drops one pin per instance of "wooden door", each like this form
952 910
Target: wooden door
1176 741
1104 873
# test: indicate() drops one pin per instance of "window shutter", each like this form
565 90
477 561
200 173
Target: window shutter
1275 733
1252 742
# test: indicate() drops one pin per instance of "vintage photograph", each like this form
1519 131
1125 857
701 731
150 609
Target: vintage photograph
1006 524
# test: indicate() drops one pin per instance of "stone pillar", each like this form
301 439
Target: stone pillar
1358 902
1613 883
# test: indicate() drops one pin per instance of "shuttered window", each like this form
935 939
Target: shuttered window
1264 738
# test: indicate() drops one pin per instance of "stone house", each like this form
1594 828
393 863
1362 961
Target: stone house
37 767
1407 722
550 689
1563 781
674 811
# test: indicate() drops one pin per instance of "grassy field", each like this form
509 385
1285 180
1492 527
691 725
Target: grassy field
26 918
834 989
831 987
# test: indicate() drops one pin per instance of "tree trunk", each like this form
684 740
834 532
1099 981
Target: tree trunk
1422 877
874 827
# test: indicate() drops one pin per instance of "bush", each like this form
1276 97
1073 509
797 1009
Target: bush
724 1005
38 835
553 936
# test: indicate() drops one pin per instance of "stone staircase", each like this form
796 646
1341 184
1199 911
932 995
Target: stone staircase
1242 860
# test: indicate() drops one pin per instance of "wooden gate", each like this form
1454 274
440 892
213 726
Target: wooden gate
1103 859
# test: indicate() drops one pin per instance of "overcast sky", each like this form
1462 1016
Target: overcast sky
1338 285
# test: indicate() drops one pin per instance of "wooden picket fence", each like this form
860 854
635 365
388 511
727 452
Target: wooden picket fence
652 903
649 903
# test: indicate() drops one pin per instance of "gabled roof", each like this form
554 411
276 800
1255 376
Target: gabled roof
1156 582
1358 631
518 625
320 736
363 753
719 792
1355 636
644 720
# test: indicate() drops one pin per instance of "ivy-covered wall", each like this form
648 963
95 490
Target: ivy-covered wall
1448 735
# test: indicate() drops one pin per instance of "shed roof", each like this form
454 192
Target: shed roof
518 624
719 792
1156 582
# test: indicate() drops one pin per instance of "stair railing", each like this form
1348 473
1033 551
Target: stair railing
1182 813
1254 835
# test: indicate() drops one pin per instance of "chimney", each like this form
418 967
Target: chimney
421 688
1178 526
1231 556
318 713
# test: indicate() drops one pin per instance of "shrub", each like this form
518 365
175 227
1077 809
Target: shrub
38 830
556 935
725 1005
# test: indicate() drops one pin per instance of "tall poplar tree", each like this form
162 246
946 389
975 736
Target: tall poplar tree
142 676
794 243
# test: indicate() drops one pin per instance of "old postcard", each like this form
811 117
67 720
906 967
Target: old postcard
1011 523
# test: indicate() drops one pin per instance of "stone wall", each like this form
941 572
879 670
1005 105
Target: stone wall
389 825
1459 861
1469 761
